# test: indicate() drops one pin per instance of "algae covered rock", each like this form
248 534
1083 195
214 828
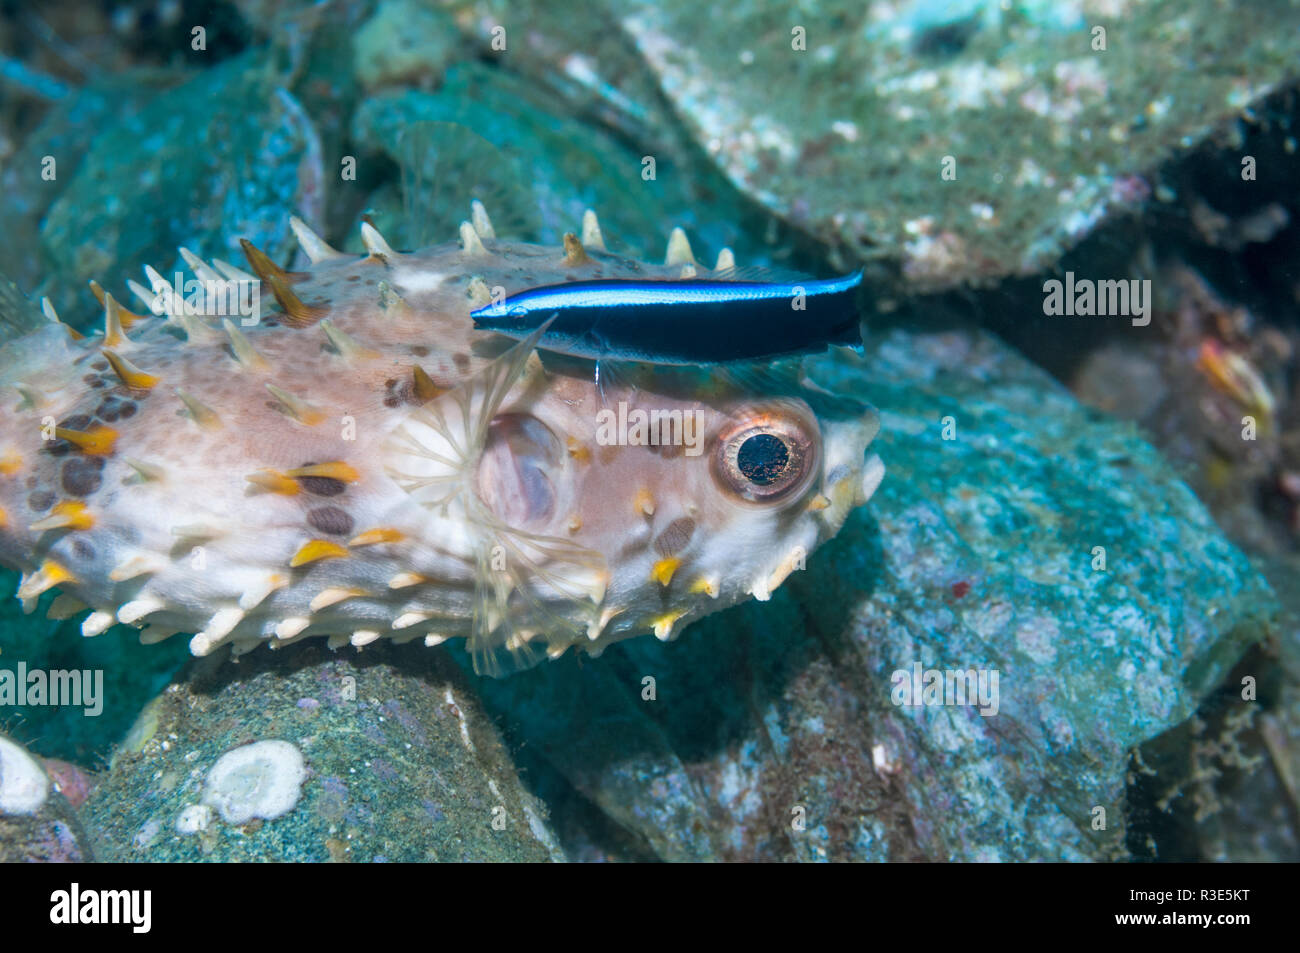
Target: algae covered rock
306 755
950 142
961 141
43 166
405 41
961 674
225 153
490 135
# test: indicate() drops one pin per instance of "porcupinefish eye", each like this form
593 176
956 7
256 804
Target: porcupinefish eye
763 458
767 457
513 473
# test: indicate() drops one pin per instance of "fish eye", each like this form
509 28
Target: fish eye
763 458
767 457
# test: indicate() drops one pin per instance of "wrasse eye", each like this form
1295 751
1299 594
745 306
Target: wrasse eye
766 457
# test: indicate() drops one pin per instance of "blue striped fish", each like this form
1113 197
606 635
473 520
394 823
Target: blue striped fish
681 321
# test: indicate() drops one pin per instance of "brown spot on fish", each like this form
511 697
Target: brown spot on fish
114 408
83 476
321 485
330 519
675 537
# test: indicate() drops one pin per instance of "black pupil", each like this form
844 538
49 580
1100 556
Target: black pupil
763 458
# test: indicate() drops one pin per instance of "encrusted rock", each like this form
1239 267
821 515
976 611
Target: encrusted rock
305 755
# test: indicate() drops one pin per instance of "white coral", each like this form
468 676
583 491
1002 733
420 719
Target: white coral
24 785
262 779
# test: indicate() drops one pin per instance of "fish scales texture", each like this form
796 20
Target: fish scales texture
360 462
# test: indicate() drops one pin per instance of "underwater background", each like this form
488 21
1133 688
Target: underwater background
1104 509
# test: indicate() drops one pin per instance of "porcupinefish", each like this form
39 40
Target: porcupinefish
353 459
